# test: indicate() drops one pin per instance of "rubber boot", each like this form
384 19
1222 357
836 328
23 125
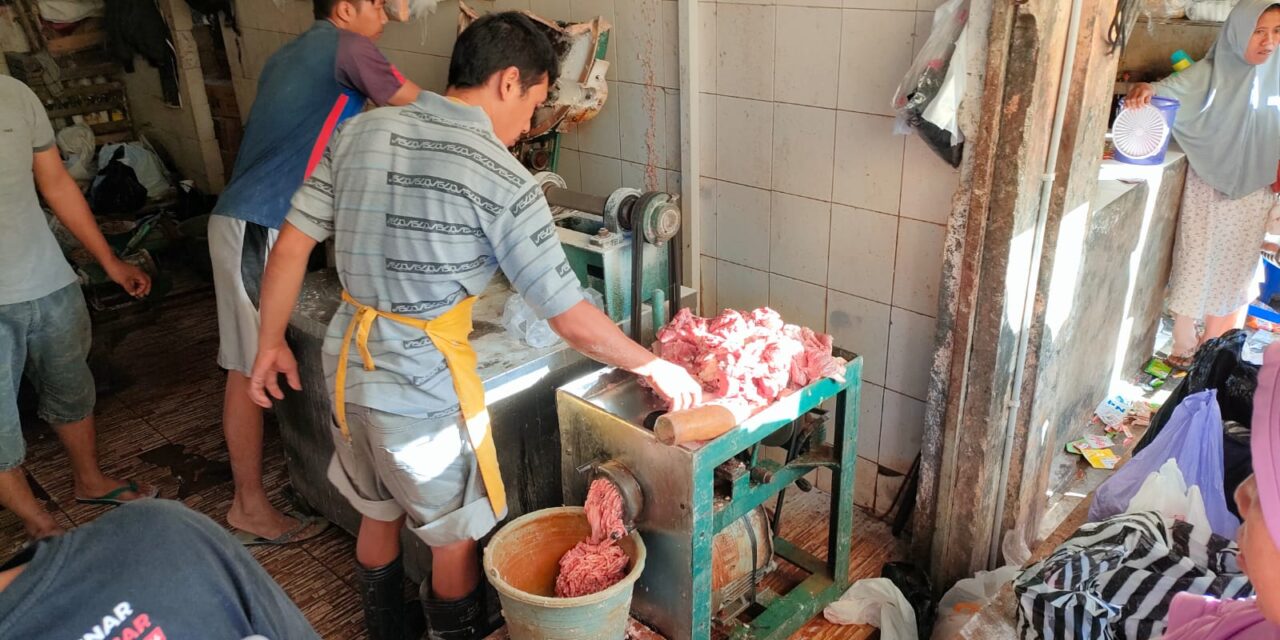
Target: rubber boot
454 619
382 594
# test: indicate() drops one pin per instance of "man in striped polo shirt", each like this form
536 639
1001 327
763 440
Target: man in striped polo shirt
307 88
425 204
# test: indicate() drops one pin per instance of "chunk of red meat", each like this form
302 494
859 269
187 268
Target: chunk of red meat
747 359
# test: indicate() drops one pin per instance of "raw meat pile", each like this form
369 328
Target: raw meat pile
747 360
596 563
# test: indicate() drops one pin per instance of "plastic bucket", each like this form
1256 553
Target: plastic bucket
522 560
1168 108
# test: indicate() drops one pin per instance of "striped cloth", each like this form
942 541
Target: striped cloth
425 205
1115 579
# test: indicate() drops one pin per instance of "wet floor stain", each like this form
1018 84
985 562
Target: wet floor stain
193 471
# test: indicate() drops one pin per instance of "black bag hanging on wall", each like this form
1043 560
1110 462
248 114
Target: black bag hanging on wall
117 190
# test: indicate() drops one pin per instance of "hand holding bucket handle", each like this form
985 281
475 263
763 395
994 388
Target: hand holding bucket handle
1139 96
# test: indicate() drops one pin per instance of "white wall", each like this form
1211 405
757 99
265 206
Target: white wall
813 206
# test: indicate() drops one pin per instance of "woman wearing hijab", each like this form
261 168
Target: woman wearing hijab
1196 617
1228 124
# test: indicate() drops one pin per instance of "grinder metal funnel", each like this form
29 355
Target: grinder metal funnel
625 482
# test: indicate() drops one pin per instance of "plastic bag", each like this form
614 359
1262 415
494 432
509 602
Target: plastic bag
936 75
1193 437
1210 10
117 189
877 602
963 601
146 166
1165 8
76 143
520 320
916 587
1166 491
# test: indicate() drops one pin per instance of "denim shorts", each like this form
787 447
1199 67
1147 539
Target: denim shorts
48 339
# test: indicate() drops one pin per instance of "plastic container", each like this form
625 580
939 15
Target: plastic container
1180 61
1141 136
1210 10
522 560
1270 287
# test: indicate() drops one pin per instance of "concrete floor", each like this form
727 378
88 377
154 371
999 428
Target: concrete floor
164 427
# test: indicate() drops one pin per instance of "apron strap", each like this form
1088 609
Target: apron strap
448 333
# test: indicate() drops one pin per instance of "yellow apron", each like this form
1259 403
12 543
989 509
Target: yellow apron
449 334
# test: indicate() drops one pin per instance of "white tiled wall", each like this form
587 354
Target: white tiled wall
813 205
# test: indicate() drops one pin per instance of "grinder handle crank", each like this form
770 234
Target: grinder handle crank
694 425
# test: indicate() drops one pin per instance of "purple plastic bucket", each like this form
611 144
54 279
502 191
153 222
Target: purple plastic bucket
1168 107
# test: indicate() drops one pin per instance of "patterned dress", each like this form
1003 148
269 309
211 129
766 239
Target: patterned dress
1215 258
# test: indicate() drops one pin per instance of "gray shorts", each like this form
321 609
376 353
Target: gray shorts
239 252
422 468
48 339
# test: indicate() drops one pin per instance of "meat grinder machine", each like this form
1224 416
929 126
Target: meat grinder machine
700 507
607 239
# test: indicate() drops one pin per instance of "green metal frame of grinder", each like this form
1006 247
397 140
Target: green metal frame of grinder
783 614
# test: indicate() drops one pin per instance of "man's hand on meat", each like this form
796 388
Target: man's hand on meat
672 383
589 331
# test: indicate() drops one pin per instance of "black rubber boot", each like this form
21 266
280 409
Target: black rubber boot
454 619
382 594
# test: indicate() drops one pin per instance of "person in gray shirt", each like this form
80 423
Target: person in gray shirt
150 570
44 325
425 204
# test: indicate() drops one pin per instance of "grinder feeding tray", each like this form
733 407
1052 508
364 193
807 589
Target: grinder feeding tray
699 506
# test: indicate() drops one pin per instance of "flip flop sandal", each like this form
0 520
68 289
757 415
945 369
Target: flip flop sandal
292 536
113 497
1179 363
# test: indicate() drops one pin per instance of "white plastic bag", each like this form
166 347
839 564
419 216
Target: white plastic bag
76 143
962 601
520 320
878 602
1165 491
1210 10
1165 8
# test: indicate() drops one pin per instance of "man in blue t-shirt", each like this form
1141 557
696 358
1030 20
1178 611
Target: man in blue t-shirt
307 88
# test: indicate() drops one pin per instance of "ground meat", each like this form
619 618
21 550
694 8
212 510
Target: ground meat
745 361
596 563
